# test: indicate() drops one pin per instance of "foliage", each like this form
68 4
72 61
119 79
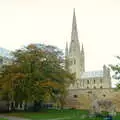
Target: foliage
116 70
98 106
36 72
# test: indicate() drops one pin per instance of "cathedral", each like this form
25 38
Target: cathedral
76 64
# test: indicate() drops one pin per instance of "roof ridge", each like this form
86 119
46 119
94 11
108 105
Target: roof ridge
94 71
92 74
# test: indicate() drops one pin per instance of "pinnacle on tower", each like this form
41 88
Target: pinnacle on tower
66 56
66 50
82 48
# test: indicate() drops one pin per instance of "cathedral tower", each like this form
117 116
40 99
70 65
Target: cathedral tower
75 56
75 63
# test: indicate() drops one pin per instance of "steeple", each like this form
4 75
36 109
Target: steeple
74 35
74 50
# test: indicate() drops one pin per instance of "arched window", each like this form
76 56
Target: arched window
88 82
74 61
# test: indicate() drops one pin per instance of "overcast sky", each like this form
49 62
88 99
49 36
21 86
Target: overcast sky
50 22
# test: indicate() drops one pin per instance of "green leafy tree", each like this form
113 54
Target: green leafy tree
36 71
116 70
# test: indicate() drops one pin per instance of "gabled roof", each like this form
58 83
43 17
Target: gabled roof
92 74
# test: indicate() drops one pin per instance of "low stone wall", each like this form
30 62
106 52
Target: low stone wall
83 98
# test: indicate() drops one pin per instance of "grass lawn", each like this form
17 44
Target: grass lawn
3 119
58 115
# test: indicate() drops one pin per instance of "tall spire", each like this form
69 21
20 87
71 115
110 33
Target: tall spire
74 35
74 50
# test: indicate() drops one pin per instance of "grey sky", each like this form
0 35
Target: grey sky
50 22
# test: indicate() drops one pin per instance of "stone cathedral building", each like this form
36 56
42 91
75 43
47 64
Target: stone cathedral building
88 86
76 64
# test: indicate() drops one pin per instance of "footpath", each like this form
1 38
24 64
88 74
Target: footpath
12 118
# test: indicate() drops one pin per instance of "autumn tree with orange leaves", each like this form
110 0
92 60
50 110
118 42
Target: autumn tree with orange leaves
36 72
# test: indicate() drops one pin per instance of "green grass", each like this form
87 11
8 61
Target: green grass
3 119
58 115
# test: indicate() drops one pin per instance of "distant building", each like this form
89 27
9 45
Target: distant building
76 64
5 57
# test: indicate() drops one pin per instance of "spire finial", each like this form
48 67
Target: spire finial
82 45
74 17
74 10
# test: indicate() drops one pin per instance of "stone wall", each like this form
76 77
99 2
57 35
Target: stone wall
83 98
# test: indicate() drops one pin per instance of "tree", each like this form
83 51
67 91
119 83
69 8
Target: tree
35 71
116 70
